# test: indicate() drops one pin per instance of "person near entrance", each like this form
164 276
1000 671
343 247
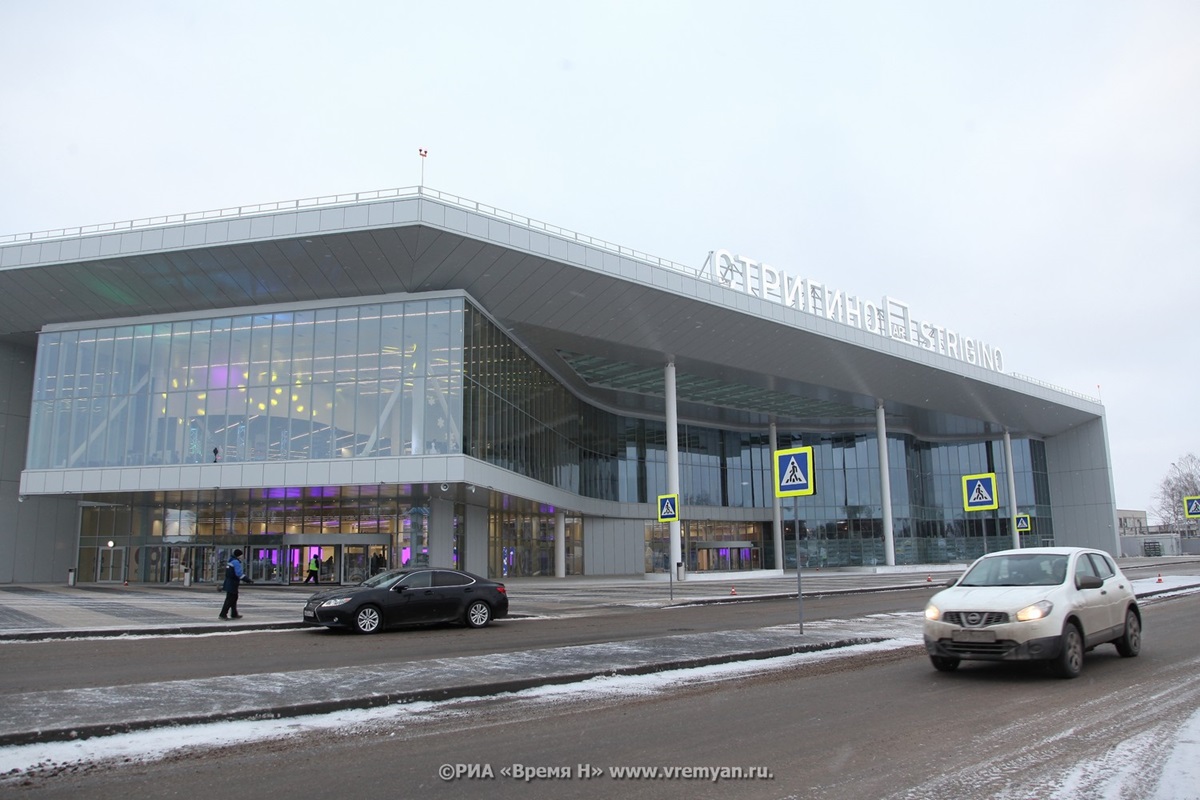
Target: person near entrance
314 569
233 579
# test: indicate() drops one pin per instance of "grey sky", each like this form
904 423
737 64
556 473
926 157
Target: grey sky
1024 173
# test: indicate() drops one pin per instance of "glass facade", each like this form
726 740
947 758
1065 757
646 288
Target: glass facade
347 382
433 376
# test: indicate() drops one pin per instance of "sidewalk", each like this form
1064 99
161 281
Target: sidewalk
81 713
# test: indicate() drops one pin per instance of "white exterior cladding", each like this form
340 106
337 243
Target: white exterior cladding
551 289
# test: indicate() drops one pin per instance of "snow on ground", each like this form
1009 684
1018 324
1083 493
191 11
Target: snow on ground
1179 780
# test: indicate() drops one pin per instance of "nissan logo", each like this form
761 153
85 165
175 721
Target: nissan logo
974 618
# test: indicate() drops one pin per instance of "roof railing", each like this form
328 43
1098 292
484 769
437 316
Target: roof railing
327 201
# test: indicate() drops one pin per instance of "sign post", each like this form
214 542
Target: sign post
668 511
979 494
1022 524
793 470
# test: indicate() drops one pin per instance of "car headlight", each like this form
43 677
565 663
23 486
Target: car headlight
1039 610
932 612
336 601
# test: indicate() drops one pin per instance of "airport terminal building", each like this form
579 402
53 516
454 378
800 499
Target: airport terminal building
406 377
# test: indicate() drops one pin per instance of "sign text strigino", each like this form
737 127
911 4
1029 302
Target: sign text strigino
889 317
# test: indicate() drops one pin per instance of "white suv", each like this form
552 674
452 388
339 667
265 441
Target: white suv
1036 604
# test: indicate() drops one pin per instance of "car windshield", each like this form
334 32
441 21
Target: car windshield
1033 569
384 579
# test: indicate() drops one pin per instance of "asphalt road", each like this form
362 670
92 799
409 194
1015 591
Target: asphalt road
884 725
59 664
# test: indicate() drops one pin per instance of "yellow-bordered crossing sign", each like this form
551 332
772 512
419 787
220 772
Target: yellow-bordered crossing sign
1191 507
668 508
979 492
794 472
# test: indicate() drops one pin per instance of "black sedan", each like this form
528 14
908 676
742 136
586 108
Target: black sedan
409 597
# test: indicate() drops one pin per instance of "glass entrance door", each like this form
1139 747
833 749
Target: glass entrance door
355 564
110 566
263 565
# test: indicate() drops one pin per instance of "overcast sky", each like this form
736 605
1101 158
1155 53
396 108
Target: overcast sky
1025 173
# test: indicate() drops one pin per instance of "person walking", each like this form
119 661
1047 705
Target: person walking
233 579
314 569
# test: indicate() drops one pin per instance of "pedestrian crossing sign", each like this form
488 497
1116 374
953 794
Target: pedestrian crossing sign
1191 507
794 472
668 508
1023 524
979 492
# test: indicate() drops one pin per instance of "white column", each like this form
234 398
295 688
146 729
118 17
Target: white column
418 417
776 508
672 460
1012 491
560 544
885 487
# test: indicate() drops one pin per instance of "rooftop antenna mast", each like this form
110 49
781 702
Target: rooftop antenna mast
423 153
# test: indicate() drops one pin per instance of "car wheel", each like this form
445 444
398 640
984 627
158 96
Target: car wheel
367 619
1130 643
1070 660
479 614
944 664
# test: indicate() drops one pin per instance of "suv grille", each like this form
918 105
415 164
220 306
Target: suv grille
975 619
992 649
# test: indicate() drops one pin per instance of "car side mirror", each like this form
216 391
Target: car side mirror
400 587
1088 582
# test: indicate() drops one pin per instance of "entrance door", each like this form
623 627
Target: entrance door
355 564
263 565
110 566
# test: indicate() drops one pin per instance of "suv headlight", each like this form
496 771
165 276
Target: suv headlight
932 612
336 601
1039 610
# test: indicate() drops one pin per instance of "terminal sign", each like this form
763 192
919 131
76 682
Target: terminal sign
793 472
979 492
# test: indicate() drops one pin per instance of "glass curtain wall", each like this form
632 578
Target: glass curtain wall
419 377
347 382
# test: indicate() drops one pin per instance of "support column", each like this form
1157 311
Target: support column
777 511
1012 491
672 460
885 487
560 544
441 532
418 417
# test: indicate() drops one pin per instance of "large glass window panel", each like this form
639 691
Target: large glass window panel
197 355
122 363
346 349
303 331
237 432
301 419
217 364
344 402
102 377
139 365
239 351
260 350
85 364
47 374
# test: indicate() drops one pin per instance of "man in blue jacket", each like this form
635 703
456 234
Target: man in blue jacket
233 579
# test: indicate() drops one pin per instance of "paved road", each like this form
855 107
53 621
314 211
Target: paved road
39 612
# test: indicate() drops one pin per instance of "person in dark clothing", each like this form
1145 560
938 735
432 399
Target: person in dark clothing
233 579
314 567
